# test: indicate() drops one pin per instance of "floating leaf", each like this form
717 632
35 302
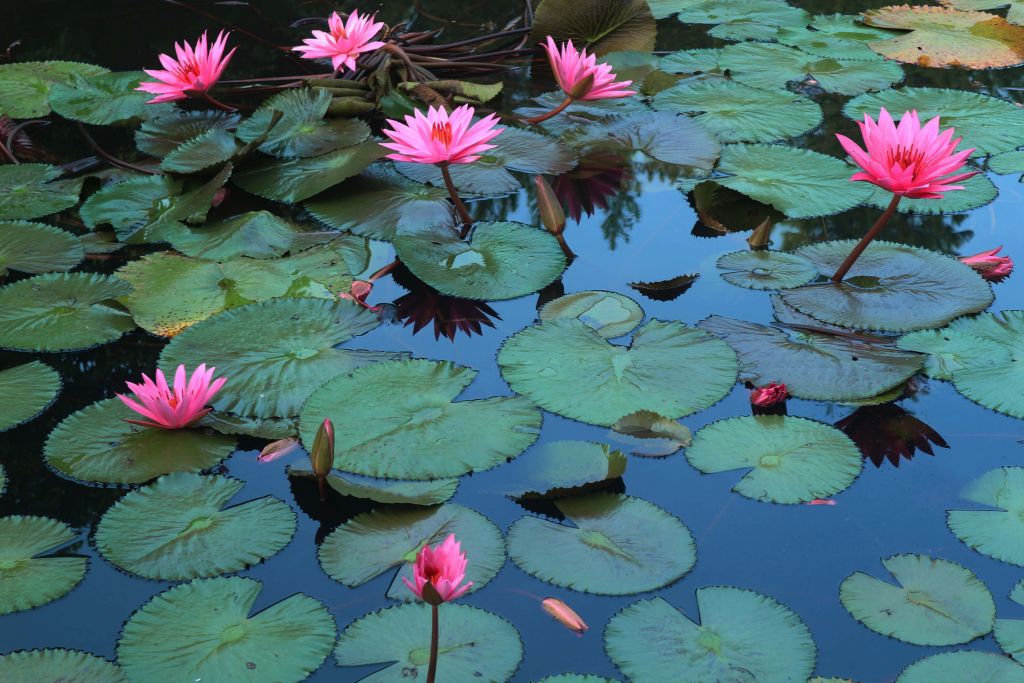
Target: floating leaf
62 312
962 665
978 191
176 529
97 445
104 99
996 533
37 248
501 260
892 287
661 135
406 424
1007 162
937 602
33 386
212 148
742 636
1015 13
666 290
698 61
202 630
836 36
788 459
653 435
387 491
25 86
619 545
608 313
58 666
26 190
302 131
568 368
160 135
474 644
554 468
766 269
575 678
954 348
1009 633
29 580
259 427
255 234
600 26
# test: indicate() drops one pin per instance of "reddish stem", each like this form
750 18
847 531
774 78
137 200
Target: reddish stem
432 669
554 112
467 220
866 240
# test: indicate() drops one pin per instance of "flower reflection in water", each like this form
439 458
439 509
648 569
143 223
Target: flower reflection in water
450 315
888 432
588 187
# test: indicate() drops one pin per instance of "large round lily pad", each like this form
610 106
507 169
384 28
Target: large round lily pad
788 459
610 314
202 631
836 36
402 421
1009 633
376 542
97 445
104 99
32 386
302 130
214 147
742 636
29 577
256 234
162 134
62 312
25 86
963 665
474 645
619 545
54 665
37 248
31 190
176 528
766 269
996 533
388 491
936 602
501 260
555 468
568 368
892 287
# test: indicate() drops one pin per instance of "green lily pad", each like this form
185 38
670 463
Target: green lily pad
568 368
1014 14
387 491
836 36
996 533
814 365
600 26
787 459
963 665
272 374
30 580
474 645
937 602
576 678
302 130
697 61
610 314
742 636
766 269
661 135
176 529
734 112
553 469
272 428
734 19
650 434
97 445
161 135
62 312
943 37
620 545
25 86
501 260
37 248
892 287
380 202
54 665
104 99
404 423
989 124
31 190
35 386
1009 633
373 543
212 148
955 348
255 234
978 191
202 630
1005 163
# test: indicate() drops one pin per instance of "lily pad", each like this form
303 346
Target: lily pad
735 19
202 630
1009 633
272 374
31 190
302 130
734 112
25 86
955 348
1014 13
836 36
54 665
97 445
32 386
978 191
373 543
936 602
1005 163
963 665
608 313
176 529
255 234
661 135
766 269
892 287
474 645
406 424
620 545
501 260
37 248
568 368
814 365
575 678
996 533
553 469
742 636
30 580
104 99
62 312
600 26
387 491
212 148
693 62
272 428
160 135
787 459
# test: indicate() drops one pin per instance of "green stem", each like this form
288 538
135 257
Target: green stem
467 220
554 112
866 240
432 669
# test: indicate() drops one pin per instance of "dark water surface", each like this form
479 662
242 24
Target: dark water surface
797 554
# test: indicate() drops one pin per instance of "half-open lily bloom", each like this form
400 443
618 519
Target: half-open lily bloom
438 137
909 160
195 71
344 41
175 407
574 67
443 567
990 266
358 292
768 395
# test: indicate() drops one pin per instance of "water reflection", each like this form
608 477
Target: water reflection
888 432
423 305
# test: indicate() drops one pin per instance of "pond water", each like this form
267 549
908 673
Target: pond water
646 230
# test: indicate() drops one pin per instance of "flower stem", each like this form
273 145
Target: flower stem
467 220
866 240
554 112
432 669
384 271
220 105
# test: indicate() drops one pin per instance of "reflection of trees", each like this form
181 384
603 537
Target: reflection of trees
935 232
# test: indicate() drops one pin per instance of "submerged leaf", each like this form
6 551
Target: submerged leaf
666 290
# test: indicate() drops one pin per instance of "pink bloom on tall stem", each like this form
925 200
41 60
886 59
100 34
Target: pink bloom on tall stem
195 71
573 67
768 395
991 267
344 41
175 407
444 567
441 138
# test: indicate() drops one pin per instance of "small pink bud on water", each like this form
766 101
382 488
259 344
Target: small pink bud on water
321 455
565 615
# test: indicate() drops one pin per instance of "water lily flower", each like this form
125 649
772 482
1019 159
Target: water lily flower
564 615
358 292
574 67
768 395
991 267
443 567
194 72
344 41
438 137
175 407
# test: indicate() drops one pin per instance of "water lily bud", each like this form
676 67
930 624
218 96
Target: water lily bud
321 455
551 213
564 615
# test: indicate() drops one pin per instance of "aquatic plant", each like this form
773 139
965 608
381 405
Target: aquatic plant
173 407
192 74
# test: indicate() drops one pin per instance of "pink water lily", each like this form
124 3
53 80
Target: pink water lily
768 395
438 137
175 407
580 76
990 266
195 71
358 292
443 567
344 41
